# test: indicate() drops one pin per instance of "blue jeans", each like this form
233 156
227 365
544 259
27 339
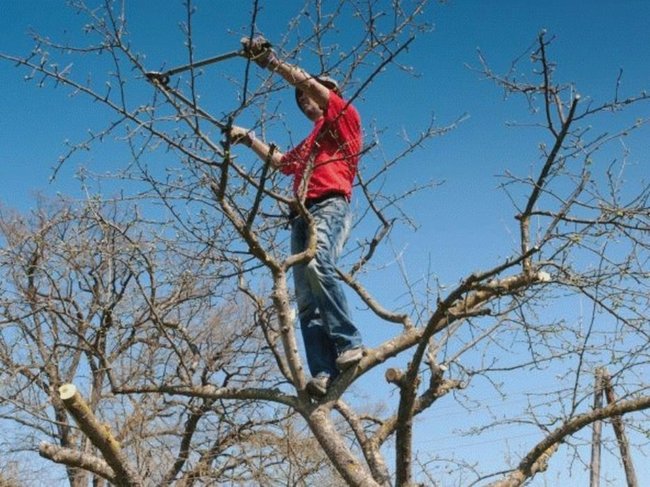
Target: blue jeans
327 329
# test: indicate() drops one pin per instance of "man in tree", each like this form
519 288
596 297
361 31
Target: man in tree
323 167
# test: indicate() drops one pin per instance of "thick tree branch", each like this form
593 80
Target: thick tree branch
100 436
213 392
370 448
75 459
537 459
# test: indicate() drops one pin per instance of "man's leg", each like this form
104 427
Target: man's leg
333 221
319 348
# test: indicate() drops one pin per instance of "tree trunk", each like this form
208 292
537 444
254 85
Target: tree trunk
347 464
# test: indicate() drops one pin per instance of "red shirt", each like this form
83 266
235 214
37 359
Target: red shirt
334 146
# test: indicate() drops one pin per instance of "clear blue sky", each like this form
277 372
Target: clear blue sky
467 221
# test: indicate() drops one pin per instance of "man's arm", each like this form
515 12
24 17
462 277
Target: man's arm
267 152
302 80
259 50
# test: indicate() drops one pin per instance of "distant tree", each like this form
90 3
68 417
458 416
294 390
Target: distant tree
94 295
180 334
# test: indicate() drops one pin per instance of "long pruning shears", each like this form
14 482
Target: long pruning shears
163 77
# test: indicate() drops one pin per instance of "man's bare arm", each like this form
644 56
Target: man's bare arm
267 152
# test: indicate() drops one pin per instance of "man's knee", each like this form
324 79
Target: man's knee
318 267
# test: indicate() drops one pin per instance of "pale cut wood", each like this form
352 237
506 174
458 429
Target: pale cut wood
67 391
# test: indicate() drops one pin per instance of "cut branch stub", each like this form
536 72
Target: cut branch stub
394 376
100 436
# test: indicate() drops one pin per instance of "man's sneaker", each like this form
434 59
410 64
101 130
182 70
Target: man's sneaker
318 385
349 358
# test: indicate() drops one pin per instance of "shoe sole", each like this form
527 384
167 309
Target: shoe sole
344 365
315 390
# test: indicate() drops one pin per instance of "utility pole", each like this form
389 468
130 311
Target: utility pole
603 388
617 423
596 436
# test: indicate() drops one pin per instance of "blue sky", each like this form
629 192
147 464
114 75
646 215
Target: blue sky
593 41
464 223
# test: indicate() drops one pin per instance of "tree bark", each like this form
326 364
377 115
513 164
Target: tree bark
75 459
347 464
370 447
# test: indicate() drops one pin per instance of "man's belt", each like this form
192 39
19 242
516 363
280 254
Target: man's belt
310 202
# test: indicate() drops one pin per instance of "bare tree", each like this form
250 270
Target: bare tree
93 295
580 235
